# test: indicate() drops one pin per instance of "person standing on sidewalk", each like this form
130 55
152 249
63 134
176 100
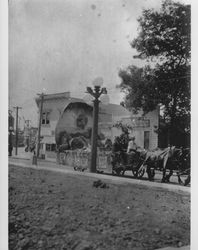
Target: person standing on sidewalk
10 143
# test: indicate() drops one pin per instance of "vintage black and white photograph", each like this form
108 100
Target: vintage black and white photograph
99 125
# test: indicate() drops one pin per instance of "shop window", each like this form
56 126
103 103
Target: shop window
50 147
53 147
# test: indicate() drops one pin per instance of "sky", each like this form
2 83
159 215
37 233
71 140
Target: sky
63 45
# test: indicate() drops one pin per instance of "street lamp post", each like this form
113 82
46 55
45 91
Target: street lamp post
96 92
94 136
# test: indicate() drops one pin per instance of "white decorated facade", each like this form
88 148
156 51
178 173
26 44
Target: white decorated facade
61 113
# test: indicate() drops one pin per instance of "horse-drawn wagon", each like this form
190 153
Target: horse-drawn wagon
122 161
172 159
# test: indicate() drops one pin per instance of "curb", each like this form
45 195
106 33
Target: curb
115 179
30 159
18 158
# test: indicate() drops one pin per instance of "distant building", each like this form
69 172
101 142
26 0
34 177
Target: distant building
61 112
30 135
143 128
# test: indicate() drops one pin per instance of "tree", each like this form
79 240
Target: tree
164 42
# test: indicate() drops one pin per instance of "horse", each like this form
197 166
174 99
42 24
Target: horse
178 160
184 166
166 159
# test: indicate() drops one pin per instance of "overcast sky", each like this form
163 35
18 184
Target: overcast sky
62 45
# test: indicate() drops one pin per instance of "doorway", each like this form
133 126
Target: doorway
146 139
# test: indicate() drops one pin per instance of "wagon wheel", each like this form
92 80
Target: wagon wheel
138 171
116 172
187 181
184 177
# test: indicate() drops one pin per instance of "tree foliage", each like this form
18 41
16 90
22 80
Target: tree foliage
126 128
164 43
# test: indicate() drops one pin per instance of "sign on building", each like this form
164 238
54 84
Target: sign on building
137 122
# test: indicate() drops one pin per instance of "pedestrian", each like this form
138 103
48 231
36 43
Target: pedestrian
10 143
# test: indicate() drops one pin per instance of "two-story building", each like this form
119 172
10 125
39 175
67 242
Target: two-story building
61 112
53 105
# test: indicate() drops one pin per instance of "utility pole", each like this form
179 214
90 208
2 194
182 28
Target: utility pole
40 119
16 136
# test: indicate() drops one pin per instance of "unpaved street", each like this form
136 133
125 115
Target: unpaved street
49 210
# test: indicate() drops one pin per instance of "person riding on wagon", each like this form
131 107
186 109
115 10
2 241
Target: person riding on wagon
132 146
133 150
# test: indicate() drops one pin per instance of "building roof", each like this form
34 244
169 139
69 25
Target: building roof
63 95
114 109
110 109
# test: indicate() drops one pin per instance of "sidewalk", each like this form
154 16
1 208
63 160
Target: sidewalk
21 154
53 166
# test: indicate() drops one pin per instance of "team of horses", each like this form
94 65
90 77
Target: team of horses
169 160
